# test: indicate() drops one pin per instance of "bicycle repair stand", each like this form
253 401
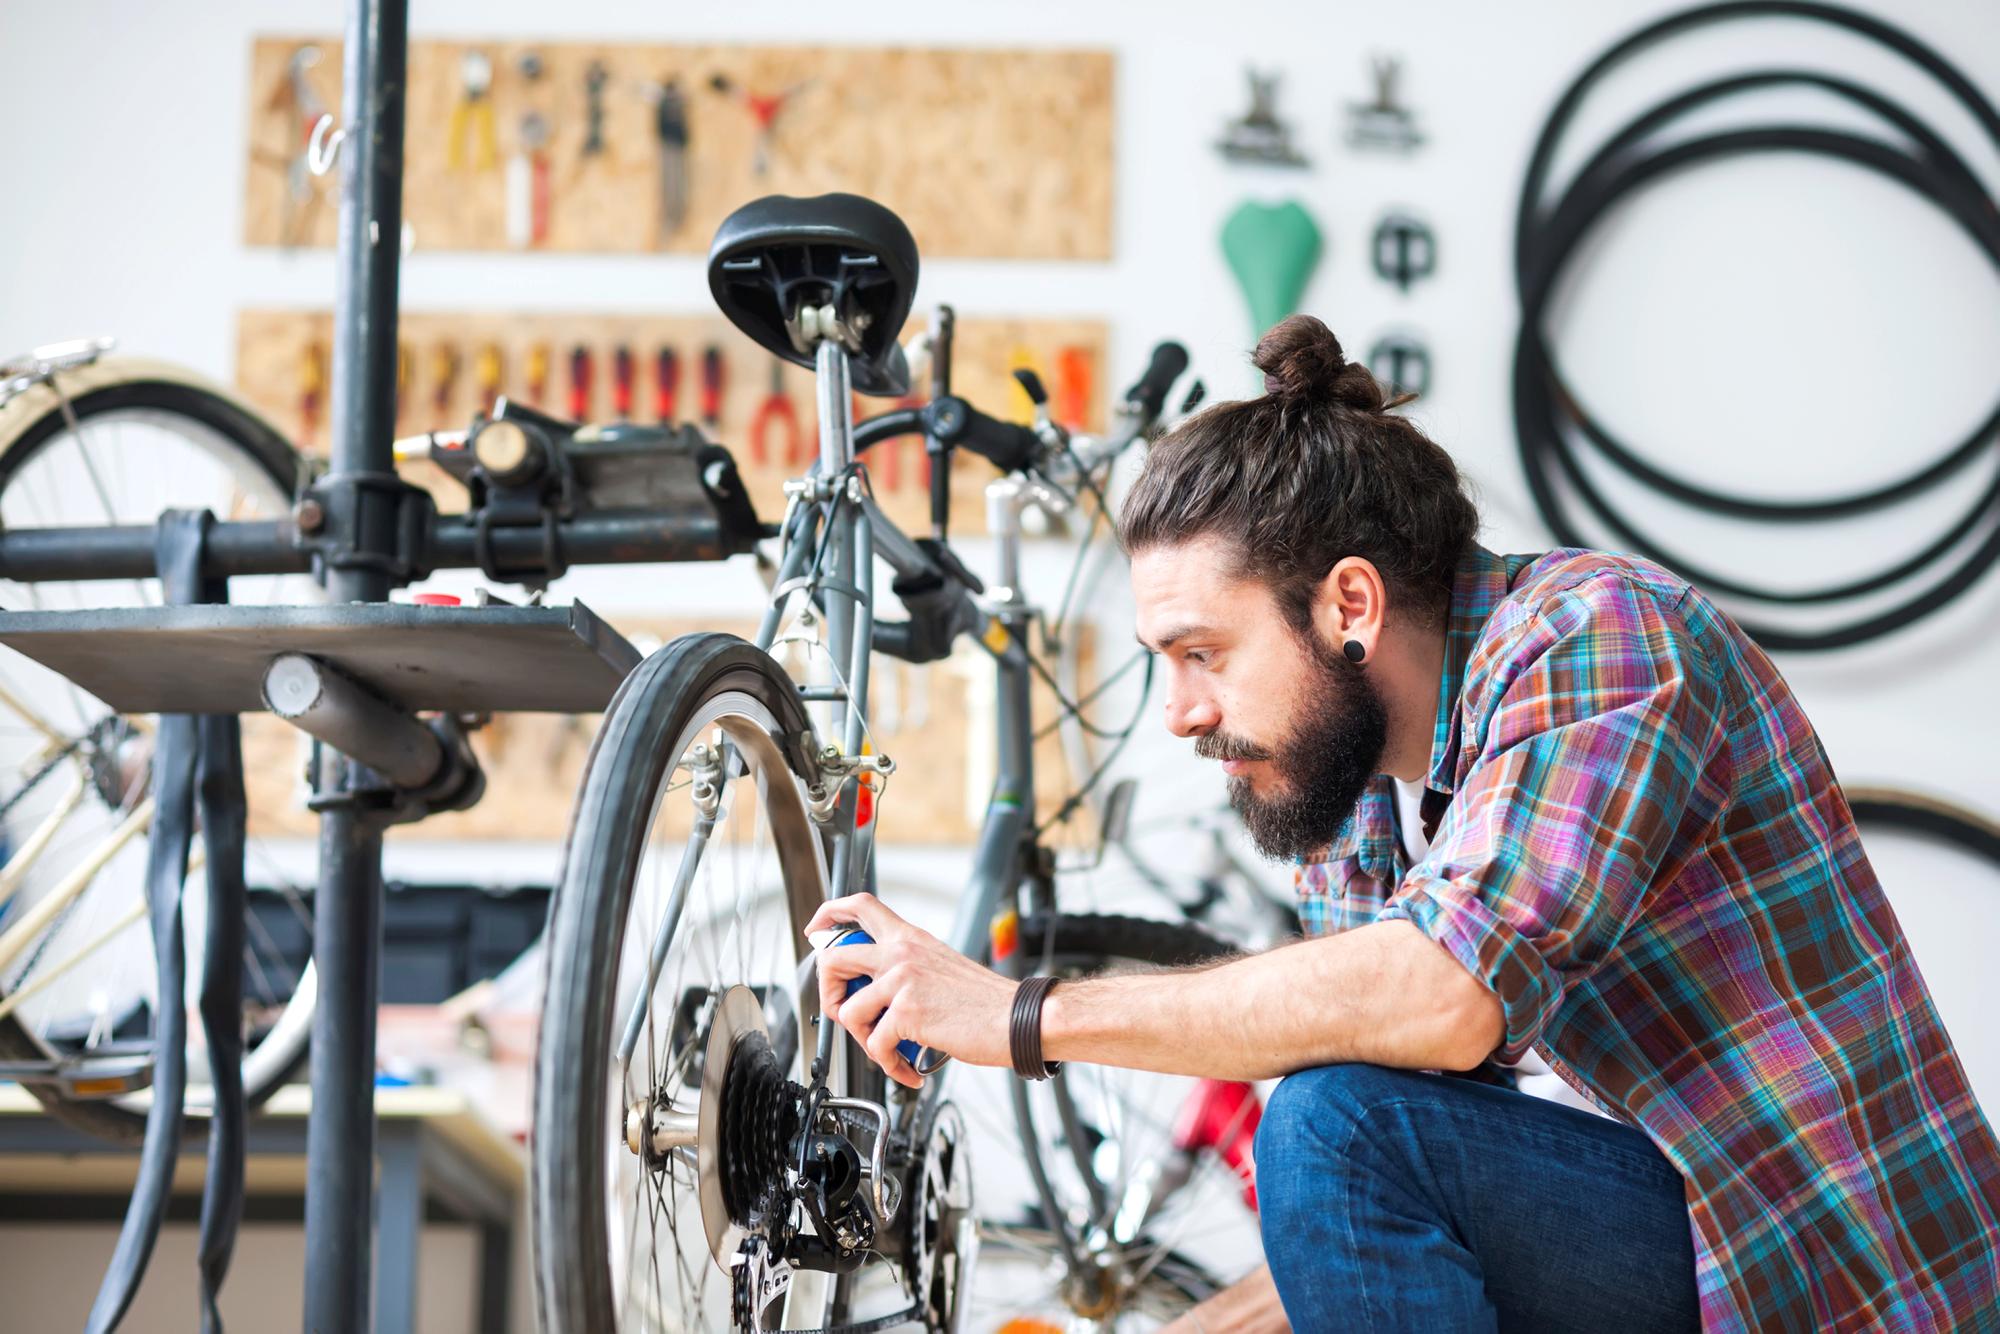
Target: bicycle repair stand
360 534
347 905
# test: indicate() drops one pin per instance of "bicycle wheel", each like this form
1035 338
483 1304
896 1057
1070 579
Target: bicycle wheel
1151 1172
136 438
691 860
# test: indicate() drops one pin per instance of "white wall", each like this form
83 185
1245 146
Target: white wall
1782 326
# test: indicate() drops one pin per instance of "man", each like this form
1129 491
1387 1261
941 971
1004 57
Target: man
1622 847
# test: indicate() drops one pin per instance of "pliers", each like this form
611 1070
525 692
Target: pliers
776 407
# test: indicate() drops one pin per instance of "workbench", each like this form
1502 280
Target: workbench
437 1160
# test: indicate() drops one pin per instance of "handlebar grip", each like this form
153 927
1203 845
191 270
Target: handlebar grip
1149 395
1003 444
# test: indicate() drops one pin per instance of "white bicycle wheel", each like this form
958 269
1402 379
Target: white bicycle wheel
121 442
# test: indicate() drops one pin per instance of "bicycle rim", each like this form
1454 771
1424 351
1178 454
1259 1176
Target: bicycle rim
719 912
135 448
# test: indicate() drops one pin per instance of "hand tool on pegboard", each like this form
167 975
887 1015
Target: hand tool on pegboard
488 372
670 124
579 383
712 372
537 377
622 374
1405 249
528 166
444 379
1075 374
528 184
764 109
297 96
777 411
595 76
666 384
473 115
312 390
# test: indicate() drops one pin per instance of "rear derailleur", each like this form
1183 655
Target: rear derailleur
783 1186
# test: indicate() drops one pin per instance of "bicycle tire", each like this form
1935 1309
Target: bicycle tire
29 422
33 417
631 761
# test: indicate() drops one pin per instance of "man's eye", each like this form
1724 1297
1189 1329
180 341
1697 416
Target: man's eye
1199 658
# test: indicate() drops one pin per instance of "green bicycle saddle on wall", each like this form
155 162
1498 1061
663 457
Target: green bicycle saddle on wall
1272 249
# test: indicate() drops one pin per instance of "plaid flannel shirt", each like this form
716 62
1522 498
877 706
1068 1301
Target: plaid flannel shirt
1647 859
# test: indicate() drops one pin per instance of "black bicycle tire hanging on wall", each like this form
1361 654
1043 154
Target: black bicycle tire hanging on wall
1548 412
1915 813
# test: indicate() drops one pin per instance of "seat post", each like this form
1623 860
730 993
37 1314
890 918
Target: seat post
836 405
836 452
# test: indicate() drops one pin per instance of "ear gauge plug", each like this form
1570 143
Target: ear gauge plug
1354 651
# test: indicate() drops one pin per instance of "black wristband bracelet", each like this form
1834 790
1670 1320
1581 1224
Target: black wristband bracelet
1024 1029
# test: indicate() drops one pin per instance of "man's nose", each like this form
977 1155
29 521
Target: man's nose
1190 713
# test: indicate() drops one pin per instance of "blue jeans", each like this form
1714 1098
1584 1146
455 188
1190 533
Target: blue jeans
1396 1200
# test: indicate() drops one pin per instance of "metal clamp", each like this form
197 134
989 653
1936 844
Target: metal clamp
704 766
398 520
818 489
810 324
42 365
835 769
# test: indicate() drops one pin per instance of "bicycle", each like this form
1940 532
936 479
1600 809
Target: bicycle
88 437
707 1153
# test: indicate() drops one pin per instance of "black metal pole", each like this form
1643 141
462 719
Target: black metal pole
347 909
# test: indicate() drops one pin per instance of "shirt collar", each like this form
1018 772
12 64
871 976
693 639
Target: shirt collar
1369 836
1483 579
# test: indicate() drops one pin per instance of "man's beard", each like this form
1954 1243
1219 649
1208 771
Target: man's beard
1321 768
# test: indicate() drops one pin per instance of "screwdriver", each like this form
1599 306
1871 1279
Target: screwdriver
621 383
711 387
666 384
579 384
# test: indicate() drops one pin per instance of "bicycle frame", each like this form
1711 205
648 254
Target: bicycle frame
836 560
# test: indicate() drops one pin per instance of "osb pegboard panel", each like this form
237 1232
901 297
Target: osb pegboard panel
451 358
1002 154
922 716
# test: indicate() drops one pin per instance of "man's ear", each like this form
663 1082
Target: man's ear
1351 607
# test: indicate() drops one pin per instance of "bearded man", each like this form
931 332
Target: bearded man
1557 804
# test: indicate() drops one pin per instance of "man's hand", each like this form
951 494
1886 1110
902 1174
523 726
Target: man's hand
923 990
1248 1306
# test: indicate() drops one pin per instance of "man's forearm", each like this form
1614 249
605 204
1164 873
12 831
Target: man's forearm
1384 993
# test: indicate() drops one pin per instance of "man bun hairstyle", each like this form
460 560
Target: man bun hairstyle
1303 361
1315 470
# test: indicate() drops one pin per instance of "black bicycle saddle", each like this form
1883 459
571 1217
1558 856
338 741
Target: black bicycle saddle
777 254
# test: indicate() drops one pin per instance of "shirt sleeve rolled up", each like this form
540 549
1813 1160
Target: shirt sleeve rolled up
1596 727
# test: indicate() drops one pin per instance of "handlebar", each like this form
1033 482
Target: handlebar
1149 396
934 587
1011 447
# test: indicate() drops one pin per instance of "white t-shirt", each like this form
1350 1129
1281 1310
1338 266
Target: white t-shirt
1531 1072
